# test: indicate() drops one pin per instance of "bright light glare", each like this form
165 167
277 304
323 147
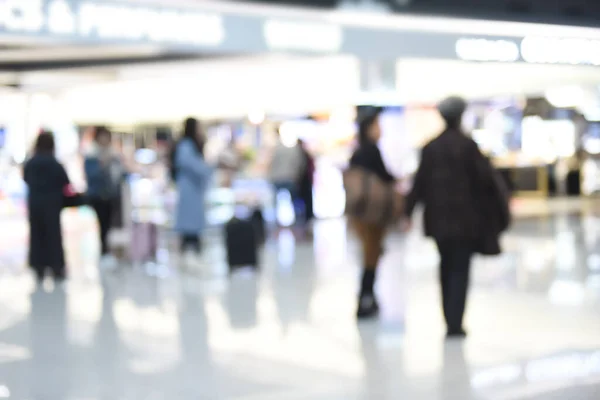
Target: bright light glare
574 51
592 145
487 50
566 96
288 135
256 117
145 156
548 139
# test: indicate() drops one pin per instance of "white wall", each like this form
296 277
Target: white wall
230 88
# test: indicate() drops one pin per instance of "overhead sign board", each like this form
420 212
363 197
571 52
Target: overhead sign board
302 36
101 21
531 49
203 29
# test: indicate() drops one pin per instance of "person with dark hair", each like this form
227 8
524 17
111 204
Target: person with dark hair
104 172
192 175
451 174
46 180
368 157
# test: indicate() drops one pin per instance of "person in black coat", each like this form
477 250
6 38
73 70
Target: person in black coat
368 157
46 179
450 177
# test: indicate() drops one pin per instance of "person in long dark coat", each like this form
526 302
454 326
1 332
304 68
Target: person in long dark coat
46 179
451 175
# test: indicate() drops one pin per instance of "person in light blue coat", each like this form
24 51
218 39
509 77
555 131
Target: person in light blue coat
192 175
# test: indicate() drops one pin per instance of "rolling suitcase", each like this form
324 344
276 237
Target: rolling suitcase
144 242
241 243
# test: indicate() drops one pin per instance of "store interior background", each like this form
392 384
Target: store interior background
539 123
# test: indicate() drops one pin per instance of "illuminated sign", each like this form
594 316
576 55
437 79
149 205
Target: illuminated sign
302 36
534 50
487 50
22 15
111 21
574 51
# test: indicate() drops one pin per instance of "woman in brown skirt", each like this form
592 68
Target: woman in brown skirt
368 157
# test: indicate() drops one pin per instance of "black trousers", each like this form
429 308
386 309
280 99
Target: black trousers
306 194
45 237
104 210
191 242
454 279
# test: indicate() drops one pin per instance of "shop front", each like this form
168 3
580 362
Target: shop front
290 65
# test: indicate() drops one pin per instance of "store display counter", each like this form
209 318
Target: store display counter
530 180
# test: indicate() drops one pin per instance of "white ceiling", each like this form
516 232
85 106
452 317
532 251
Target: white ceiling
276 84
214 89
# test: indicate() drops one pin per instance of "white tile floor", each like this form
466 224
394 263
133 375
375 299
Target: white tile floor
290 334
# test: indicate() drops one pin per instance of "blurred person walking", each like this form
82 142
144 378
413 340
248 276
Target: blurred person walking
305 185
104 172
466 208
192 175
287 164
371 235
47 181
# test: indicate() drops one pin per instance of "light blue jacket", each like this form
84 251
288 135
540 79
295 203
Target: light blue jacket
193 176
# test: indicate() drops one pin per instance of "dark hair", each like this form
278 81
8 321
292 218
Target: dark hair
364 126
100 131
190 131
44 143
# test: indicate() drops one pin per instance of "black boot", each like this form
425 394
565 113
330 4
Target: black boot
456 334
367 303
39 274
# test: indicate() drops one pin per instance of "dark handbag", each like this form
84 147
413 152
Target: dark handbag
73 199
77 200
494 216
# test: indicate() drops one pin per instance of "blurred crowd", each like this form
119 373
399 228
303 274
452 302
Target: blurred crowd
465 204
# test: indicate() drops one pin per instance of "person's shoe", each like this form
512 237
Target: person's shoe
39 276
188 260
108 262
59 277
456 334
367 307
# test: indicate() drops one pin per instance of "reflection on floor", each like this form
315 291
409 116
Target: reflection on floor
289 332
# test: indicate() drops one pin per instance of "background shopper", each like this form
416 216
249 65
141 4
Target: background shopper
192 175
46 180
305 185
287 164
368 157
104 173
451 174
